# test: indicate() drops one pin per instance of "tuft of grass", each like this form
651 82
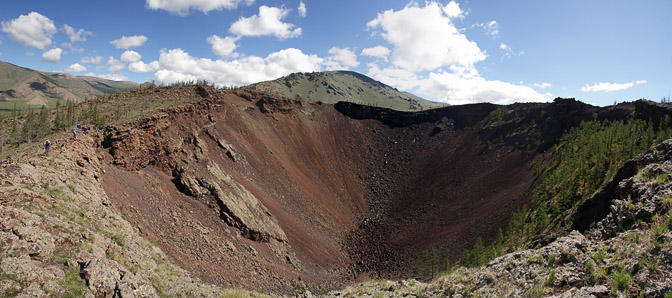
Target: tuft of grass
599 256
11 292
660 179
600 273
119 239
589 267
660 229
652 264
73 284
632 237
551 259
7 276
551 279
620 279
235 294
162 279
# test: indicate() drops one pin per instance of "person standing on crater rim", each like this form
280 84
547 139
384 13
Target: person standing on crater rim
47 145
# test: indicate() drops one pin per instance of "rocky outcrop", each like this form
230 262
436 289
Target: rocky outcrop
106 278
238 207
635 194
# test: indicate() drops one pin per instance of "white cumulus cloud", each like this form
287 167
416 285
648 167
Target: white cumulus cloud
140 66
267 23
377 52
470 88
491 28
543 85
609 87
75 68
127 42
110 76
130 56
302 9
425 38
76 35
508 52
53 55
114 65
459 85
178 65
393 76
184 7
92 60
224 47
72 48
341 58
453 10
33 30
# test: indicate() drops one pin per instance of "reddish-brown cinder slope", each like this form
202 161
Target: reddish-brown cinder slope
297 162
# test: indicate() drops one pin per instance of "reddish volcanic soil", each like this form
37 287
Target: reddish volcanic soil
356 191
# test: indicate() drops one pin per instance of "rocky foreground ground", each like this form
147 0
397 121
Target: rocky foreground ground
60 236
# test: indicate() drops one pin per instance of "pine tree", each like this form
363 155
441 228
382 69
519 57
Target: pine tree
58 118
3 133
28 129
43 122
15 111
98 119
70 116
432 262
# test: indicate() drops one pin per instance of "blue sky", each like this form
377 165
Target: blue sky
457 52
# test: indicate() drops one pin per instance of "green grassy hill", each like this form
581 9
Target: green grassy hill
30 88
335 86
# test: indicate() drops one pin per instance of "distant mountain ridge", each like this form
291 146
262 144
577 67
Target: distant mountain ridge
334 86
31 88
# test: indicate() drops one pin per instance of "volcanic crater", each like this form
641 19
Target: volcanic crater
246 190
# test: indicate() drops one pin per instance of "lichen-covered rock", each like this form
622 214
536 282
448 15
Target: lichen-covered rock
106 278
28 271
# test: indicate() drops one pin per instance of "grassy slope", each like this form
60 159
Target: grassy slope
29 88
335 86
